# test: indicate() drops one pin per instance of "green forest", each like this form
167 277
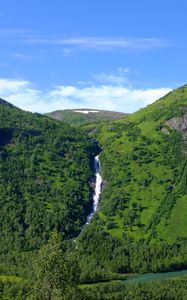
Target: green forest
45 168
47 180
142 215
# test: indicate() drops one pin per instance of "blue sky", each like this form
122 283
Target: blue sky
106 54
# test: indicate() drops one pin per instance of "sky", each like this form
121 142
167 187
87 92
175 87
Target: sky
102 54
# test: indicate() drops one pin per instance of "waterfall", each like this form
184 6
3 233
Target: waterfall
97 188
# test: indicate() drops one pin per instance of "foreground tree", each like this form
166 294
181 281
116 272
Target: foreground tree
56 272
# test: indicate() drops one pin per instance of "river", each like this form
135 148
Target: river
136 278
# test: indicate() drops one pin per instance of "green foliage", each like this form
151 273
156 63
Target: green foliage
144 193
45 170
56 272
45 167
170 289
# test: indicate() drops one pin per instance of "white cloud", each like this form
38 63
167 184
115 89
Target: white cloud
11 85
123 71
97 43
101 43
111 78
9 33
109 97
114 78
22 56
67 52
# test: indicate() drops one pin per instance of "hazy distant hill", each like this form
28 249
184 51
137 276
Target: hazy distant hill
85 116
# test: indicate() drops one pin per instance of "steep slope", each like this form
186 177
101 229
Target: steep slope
5 103
83 116
142 219
45 168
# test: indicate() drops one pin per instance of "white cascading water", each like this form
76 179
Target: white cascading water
97 188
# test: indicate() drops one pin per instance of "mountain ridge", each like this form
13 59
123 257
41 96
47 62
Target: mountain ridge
82 116
4 102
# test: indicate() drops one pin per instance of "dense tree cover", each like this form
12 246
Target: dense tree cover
54 275
167 289
104 260
141 226
142 219
170 289
45 168
56 272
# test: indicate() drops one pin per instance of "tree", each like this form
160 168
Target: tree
56 272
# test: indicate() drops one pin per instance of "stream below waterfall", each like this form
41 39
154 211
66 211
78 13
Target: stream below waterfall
97 188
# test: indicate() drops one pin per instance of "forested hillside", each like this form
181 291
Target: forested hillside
45 170
46 174
142 218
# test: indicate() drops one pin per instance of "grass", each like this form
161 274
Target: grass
178 222
148 128
10 278
151 163
143 201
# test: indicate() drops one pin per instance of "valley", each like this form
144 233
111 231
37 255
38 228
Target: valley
51 175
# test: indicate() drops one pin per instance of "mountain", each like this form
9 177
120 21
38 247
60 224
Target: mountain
83 116
5 103
45 170
46 174
142 217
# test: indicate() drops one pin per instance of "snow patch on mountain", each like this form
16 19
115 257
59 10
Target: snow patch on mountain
86 111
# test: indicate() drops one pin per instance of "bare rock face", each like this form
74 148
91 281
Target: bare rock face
179 124
165 130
